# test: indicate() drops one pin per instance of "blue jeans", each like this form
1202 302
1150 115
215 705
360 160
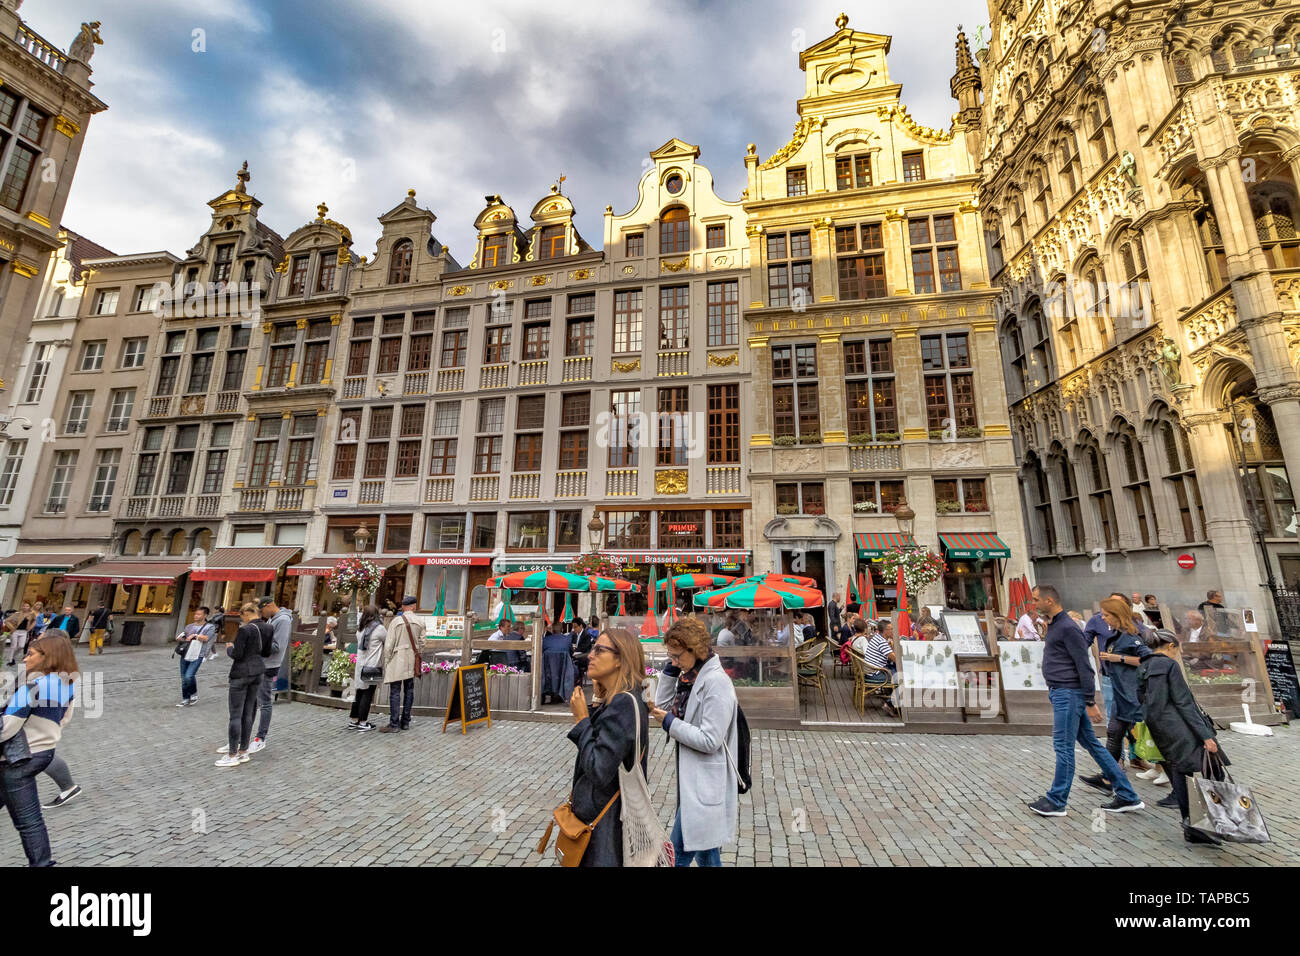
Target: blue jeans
401 697
189 678
1070 724
684 857
18 794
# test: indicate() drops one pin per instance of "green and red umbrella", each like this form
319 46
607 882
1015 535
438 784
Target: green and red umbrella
757 594
541 581
691 582
771 577
597 583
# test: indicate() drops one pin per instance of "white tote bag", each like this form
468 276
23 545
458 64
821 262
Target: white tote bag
645 843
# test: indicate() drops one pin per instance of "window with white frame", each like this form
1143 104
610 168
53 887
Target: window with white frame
65 463
101 491
133 351
146 298
105 302
78 412
92 356
15 450
40 371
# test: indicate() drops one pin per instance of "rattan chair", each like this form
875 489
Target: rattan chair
863 688
808 659
836 663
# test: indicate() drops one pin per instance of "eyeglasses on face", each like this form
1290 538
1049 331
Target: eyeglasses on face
604 649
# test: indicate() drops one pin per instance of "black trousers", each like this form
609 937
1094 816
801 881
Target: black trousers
1116 731
243 710
1178 783
361 703
401 697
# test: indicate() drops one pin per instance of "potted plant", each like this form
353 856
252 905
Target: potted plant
339 668
509 688
947 507
812 438
861 438
976 506
783 440
815 510
937 434
921 568
787 509
300 658
969 431
864 507
886 436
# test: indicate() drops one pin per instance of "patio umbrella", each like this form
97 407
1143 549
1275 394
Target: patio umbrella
568 608
507 613
597 583
440 609
772 576
689 582
852 590
755 594
650 626
869 603
1015 598
904 619
622 608
541 581
670 599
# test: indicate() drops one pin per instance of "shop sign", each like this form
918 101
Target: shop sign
31 570
1187 561
449 625
508 567
683 527
449 560
682 557
340 492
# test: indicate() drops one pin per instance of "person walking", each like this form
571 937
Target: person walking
1120 656
402 647
251 647
58 769
370 657
696 702
1067 669
280 621
194 643
98 625
606 738
38 710
833 615
1177 725
17 626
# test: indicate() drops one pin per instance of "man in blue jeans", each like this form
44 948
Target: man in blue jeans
1067 669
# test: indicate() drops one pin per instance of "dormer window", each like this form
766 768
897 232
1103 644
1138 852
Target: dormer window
552 242
399 264
298 276
494 251
675 231
222 264
328 265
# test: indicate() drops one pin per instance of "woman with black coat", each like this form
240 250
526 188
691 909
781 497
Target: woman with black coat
605 738
1180 730
252 643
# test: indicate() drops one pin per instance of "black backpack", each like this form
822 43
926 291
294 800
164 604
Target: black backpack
742 753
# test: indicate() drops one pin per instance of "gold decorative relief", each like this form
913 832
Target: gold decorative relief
721 260
720 361
536 281
301 324
752 231
66 126
336 318
629 270
670 482
501 285
676 266
37 218
580 274
25 269
283 266
266 328
460 290
631 366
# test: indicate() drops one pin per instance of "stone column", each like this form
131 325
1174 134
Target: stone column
897 273
986 357
761 391
830 375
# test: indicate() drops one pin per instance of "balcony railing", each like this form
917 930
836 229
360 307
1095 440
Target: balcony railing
722 479
354 387
621 481
526 484
875 457
483 489
137 507
372 493
676 362
206 506
451 379
161 406
570 484
533 373
577 368
494 376
415 383
171 506
439 489
41 48
288 499
228 401
252 499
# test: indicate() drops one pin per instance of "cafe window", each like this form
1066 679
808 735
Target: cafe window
933 241
789 270
724 424
629 309
796 412
860 261
444 532
955 495
878 497
625 530
568 530
869 390
724 314
673 426
805 497
853 172
949 383
681 529
527 531
728 528
624 437
484 536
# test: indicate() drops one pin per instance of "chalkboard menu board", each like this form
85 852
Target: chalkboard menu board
469 698
1282 675
963 629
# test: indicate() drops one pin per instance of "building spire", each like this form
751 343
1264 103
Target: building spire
966 83
964 61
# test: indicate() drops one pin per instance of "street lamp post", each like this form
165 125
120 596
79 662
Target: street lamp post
595 533
360 538
906 519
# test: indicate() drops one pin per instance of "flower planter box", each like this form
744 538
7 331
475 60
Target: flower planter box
510 691
433 689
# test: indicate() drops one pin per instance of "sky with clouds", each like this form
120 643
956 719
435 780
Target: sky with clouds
353 103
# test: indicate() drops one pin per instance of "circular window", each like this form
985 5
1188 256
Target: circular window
674 184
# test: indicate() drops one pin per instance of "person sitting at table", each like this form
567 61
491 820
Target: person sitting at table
878 652
930 632
582 639
557 668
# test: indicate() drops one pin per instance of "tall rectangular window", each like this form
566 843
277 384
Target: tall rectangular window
78 412
789 270
724 313
328 266
92 356
796 411
796 181
869 390
860 261
913 166
949 383
552 242
933 241
575 421
133 352
214 472
453 349
494 251
222 263
625 415
674 317
24 125
298 275
673 422
40 371
853 172
496 346
15 451
169 370
634 245
724 425
65 463
580 327
629 307
278 370
715 236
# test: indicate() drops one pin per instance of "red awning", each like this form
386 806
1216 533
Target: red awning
323 566
126 571
451 560
244 564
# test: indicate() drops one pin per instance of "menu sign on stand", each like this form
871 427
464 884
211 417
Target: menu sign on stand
963 628
1282 675
469 698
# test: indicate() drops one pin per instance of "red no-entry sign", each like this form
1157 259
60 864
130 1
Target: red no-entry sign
1187 561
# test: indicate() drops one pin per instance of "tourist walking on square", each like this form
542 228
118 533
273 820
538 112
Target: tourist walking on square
30 729
98 625
696 702
1178 726
1121 653
280 621
606 738
194 642
17 626
402 647
371 636
251 647
1067 669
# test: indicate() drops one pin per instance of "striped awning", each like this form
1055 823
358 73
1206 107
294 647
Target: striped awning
872 544
127 572
36 562
244 564
979 545
323 566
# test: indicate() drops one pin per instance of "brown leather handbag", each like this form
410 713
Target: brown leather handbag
571 842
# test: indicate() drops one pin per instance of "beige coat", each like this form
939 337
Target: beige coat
399 659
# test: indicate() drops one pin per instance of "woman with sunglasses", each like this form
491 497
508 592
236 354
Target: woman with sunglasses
38 710
605 738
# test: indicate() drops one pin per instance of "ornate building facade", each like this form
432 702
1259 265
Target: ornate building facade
877 376
1139 195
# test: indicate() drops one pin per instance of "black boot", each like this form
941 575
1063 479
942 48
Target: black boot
1192 835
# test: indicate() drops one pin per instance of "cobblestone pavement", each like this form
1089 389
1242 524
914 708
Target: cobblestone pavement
320 794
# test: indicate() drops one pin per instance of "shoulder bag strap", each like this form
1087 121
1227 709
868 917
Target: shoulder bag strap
636 719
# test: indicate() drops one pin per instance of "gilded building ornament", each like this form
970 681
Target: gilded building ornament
38 219
629 270
900 115
266 328
500 285
536 281
721 361
460 290
823 221
283 267
801 130
66 126
670 482
753 230
674 266
631 366
25 269
579 274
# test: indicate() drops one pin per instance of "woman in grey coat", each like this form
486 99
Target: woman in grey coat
697 704
370 653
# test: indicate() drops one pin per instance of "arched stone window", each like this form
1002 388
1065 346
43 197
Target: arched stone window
1093 301
1182 66
675 230
1137 485
1180 476
131 543
399 262
1060 465
1099 493
1100 133
178 542
1274 203
1040 497
1071 172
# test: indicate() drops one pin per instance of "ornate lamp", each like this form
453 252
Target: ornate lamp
361 537
905 517
595 531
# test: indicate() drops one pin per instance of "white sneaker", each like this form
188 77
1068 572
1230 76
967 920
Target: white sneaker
228 761
184 703
194 699
257 744
243 758
224 749
1150 774
1162 780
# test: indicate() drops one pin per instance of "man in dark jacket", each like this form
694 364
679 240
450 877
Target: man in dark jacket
582 640
1067 669
67 621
